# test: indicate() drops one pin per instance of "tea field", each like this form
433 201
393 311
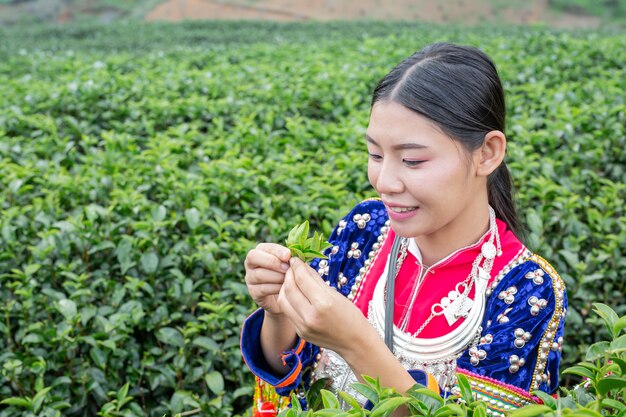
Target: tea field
140 162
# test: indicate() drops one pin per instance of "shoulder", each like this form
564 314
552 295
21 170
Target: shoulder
531 274
524 323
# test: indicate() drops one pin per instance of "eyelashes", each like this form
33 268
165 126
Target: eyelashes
410 163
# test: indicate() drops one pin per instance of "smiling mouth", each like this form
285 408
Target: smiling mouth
402 209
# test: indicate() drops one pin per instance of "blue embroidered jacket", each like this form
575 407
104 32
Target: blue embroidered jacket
522 326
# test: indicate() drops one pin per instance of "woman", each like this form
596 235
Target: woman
430 280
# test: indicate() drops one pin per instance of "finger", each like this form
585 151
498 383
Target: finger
308 281
261 259
294 294
286 307
275 249
264 276
264 290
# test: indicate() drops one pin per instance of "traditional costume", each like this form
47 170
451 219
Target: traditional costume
493 311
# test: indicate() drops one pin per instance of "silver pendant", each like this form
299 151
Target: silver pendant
460 307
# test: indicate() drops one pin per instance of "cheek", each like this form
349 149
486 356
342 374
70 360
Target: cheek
372 173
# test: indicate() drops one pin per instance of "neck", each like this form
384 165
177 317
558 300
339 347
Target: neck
465 230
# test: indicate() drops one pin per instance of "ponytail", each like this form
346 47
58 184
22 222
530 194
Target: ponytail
500 191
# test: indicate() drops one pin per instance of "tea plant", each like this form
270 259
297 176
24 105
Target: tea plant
418 401
304 247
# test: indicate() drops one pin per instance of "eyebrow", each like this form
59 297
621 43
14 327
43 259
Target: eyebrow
399 147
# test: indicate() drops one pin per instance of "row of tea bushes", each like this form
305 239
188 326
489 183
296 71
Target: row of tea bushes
138 165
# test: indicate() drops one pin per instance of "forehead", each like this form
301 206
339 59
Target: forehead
392 124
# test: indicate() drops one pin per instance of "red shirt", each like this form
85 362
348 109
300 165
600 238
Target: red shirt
441 278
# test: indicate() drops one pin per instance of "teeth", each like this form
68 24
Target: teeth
402 209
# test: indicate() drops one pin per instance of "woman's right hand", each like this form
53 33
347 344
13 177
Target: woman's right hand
265 273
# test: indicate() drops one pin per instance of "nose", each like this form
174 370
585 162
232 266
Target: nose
387 178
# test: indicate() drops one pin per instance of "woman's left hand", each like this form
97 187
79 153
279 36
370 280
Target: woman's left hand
320 314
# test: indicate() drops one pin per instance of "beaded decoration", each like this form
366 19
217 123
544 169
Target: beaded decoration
498 396
267 403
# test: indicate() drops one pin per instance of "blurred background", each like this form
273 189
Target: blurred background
557 13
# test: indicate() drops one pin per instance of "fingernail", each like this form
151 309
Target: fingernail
286 253
284 267
292 261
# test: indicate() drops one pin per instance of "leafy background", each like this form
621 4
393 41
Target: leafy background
139 163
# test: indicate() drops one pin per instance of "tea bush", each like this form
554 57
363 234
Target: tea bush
139 163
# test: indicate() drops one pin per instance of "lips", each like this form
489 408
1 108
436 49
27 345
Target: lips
399 213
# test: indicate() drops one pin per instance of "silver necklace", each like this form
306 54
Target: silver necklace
457 304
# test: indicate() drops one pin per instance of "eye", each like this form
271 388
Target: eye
375 157
411 163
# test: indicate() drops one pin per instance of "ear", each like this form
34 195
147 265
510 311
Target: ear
491 154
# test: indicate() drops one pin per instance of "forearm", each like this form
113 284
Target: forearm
370 356
277 335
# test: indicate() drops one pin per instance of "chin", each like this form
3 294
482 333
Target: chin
406 231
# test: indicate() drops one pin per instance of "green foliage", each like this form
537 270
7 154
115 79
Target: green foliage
138 165
603 389
305 247
419 401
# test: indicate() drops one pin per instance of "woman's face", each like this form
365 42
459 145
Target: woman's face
426 179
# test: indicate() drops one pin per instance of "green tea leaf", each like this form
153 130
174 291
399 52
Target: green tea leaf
619 325
350 400
329 399
367 391
579 370
547 399
304 247
466 389
531 411
67 308
450 410
597 350
215 381
170 336
20 402
150 262
608 315
614 404
388 405
609 383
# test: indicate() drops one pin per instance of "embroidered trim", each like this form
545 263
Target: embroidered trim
539 374
363 272
498 396
521 257
264 395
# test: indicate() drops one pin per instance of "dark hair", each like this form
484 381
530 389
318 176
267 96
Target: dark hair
459 89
